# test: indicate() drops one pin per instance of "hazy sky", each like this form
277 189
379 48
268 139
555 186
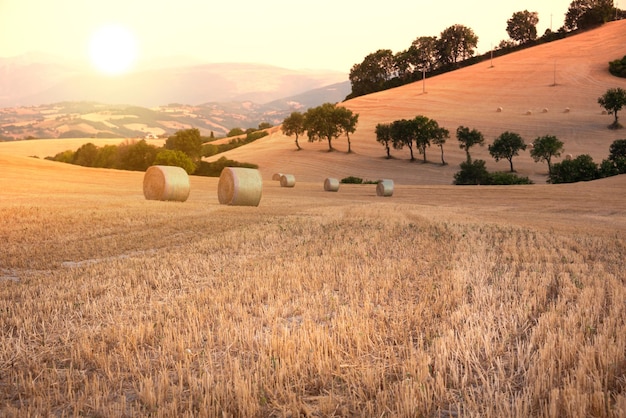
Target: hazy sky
319 34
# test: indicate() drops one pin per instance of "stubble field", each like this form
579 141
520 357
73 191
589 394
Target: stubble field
438 301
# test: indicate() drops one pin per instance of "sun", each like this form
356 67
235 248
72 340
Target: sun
113 49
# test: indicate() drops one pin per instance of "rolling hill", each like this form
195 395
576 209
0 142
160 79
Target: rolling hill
551 89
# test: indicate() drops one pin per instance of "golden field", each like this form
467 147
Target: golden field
439 301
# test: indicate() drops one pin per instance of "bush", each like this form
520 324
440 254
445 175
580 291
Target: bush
175 158
352 180
215 168
581 168
502 179
472 172
618 67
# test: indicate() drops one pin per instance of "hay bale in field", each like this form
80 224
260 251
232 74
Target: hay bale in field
161 182
277 176
331 185
384 187
567 110
545 110
240 186
287 180
499 110
529 112
568 157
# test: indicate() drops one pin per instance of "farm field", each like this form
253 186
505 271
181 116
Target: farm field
439 301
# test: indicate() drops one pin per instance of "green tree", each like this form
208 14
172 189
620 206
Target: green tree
456 43
188 141
522 26
423 53
235 132
507 146
440 135
264 125
583 14
347 121
321 124
383 136
175 158
617 155
613 100
472 172
371 75
86 155
294 125
427 130
581 168
137 156
403 133
546 147
468 139
107 157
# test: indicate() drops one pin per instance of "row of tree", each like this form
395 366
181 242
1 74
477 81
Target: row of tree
456 44
322 123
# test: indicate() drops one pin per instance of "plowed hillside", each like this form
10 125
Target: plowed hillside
521 83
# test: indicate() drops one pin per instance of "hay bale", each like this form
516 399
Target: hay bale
568 157
567 110
240 186
529 112
384 187
287 180
331 185
545 110
499 110
277 176
161 182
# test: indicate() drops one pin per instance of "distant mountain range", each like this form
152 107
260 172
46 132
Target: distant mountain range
211 97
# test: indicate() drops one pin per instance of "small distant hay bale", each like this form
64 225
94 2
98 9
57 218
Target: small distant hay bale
545 110
567 109
277 176
287 180
568 157
604 112
240 186
331 185
499 110
529 112
161 182
384 187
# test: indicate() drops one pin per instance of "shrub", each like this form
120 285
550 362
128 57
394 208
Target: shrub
581 168
472 172
502 179
175 158
215 168
352 180
618 67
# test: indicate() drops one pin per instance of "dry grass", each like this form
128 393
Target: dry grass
443 301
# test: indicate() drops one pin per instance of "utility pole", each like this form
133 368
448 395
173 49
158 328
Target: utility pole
424 80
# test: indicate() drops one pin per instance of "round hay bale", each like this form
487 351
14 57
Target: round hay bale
161 182
277 176
331 185
384 187
287 180
545 110
568 157
499 110
529 112
240 186
567 109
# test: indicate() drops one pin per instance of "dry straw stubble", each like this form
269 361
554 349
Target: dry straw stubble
240 186
166 183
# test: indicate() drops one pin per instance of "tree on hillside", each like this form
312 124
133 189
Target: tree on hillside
456 44
347 121
439 136
613 101
583 14
370 75
522 26
468 139
427 130
423 53
188 141
294 125
175 158
321 124
403 133
507 146
581 168
383 136
546 147
86 155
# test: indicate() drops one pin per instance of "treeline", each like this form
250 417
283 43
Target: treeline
455 47
183 149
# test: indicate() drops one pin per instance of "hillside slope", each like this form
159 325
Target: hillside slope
521 83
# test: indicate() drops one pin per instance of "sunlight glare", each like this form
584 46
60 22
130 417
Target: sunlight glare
113 50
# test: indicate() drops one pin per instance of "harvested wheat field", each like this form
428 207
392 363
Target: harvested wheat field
438 301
